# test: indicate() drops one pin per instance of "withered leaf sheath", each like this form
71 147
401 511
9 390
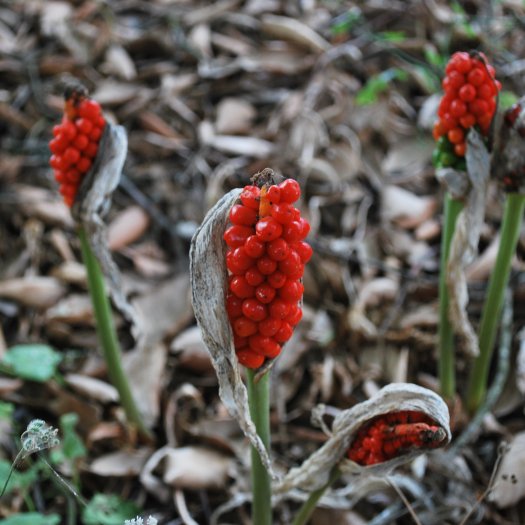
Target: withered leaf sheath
209 280
91 204
315 470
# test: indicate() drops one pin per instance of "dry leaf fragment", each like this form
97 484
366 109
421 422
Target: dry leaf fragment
93 388
121 463
127 227
33 291
509 485
294 31
234 115
396 397
119 62
209 277
405 208
75 308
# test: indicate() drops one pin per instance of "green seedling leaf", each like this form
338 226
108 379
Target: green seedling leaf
19 480
108 510
395 37
6 411
72 445
344 23
506 99
34 362
377 85
32 518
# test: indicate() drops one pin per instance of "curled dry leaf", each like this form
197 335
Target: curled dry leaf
120 463
93 201
209 277
127 227
465 241
397 397
509 484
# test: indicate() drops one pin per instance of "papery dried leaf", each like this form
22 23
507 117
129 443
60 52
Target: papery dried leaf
315 471
464 244
209 278
92 202
32 291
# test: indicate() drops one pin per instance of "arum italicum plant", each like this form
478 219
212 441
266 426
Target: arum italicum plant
370 439
88 154
246 264
469 101
508 166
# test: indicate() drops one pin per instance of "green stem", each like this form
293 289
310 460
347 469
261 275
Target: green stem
310 504
447 373
259 401
510 230
108 336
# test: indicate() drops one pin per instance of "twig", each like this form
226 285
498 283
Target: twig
411 511
180 503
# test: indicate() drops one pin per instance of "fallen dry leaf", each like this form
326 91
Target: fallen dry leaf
121 463
33 291
127 227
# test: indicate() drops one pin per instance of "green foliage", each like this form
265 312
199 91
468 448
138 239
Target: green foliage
19 480
32 518
346 22
108 510
506 99
72 445
6 411
377 85
394 37
34 362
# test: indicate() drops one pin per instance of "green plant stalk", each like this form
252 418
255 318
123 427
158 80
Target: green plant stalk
310 504
447 372
259 402
108 336
510 231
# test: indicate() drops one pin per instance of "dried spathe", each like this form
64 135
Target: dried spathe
350 425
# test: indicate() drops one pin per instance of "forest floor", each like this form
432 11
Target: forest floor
339 95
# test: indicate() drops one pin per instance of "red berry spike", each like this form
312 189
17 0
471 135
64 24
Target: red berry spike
394 434
469 101
265 289
76 141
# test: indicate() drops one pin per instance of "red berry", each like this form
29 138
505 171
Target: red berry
240 287
460 149
241 259
266 265
456 135
73 176
462 62
58 144
232 264
291 264
249 358
468 120
95 134
239 342
254 277
294 316
91 150
84 125
273 194
266 346
89 109
254 247
292 291
304 250
236 235
60 176
283 213
268 229
243 215
233 306
292 232
486 91
250 197
476 77
479 107
69 130
81 141
467 93
276 279
254 310
305 228
265 293
290 190
84 164
279 308
284 333
458 108
278 249
456 79
71 156
56 162
269 327
244 327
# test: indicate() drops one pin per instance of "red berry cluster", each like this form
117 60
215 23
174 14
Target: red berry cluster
394 434
266 259
470 99
75 143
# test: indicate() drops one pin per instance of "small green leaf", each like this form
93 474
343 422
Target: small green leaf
6 411
377 85
34 362
108 510
72 445
32 518
19 480
506 99
395 37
